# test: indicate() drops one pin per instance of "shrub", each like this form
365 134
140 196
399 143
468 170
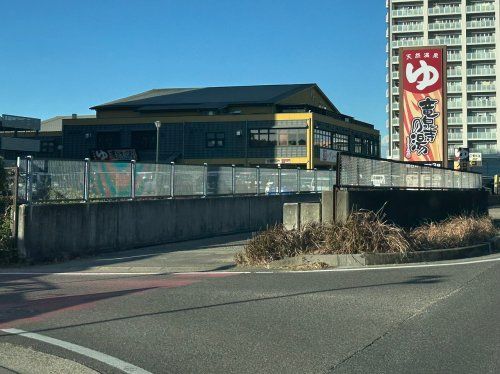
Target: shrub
364 232
456 231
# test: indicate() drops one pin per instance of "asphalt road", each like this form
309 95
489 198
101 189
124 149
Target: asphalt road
425 319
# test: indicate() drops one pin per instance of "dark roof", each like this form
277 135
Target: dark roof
208 98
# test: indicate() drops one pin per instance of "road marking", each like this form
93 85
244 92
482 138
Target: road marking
102 357
208 273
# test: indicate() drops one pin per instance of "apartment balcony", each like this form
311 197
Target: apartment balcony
476 24
444 10
475 56
480 120
481 40
454 57
407 43
481 72
407 12
395 74
436 26
445 41
395 90
489 135
480 8
454 88
454 136
454 73
484 151
454 104
416 27
481 104
395 122
481 88
395 137
395 106
395 59
454 121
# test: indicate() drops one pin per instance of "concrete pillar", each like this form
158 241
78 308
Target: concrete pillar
328 206
310 213
291 216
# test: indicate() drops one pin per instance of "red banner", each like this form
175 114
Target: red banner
423 105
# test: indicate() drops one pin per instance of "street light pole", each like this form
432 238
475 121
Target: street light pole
158 125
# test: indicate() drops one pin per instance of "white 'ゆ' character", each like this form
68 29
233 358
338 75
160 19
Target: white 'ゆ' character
429 75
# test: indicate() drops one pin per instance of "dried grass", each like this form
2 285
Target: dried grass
364 232
456 231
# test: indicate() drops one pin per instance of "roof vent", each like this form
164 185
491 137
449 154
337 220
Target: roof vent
74 116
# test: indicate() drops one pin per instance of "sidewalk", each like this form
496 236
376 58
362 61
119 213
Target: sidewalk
211 254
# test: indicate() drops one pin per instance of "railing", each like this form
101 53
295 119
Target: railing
481 119
454 120
446 41
481 56
481 40
454 88
481 71
63 180
408 12
408 27
480 23
454 72
454 136
407 43
481 103
486 7
487 135
481 87
444 10
454 56
445 26
362 172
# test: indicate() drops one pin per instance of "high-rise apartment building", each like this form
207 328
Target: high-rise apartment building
470 30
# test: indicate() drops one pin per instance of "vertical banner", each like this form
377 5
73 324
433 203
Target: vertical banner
422 103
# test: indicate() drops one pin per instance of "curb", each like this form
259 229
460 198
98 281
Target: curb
367 259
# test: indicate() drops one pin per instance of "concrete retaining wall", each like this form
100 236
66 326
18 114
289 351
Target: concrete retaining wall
406 208
51 231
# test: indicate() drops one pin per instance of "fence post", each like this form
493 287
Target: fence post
15 192
257 171
330 180
338 173
205 179
132 179
86 179
233 179
315 180
172 178
298 179
279 179
29 181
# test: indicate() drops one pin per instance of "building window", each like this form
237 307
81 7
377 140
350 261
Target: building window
340 142
108 140
215 139
47 147
358 145
273 137
143 140
323 138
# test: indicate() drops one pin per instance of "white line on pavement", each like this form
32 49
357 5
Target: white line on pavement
208 273
102 357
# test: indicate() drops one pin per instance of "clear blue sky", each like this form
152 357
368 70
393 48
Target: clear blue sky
61 57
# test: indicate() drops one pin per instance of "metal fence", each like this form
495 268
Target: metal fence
63 180
356 171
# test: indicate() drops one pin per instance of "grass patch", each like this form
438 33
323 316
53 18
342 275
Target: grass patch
364 232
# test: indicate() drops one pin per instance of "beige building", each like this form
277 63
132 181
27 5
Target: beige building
470 30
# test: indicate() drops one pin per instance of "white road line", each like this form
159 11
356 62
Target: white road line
108 360
365 268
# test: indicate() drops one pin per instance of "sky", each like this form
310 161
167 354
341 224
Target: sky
63 56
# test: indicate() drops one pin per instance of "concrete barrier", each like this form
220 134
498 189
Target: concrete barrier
49 231
406 208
